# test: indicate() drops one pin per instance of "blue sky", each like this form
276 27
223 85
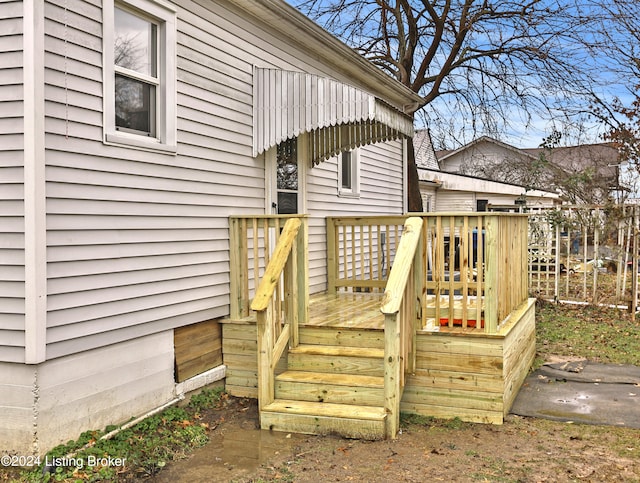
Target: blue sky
529 132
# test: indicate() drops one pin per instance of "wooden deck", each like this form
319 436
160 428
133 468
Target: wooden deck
362 311
453 336
346 310
460 372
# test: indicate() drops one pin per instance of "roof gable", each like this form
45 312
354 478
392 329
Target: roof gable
444 155
423 149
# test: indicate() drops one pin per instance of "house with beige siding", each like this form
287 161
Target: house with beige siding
130 131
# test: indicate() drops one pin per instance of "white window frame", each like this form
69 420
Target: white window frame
354 190
164 15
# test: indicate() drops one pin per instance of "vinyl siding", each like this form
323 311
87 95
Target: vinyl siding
137 241
429 196
381 192
455 201
481 153
467 200
12 290
497 199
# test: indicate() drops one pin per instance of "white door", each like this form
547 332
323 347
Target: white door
285 179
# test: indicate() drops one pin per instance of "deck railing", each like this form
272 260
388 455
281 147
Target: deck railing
401 315
360 251
279 303
252 239
474 265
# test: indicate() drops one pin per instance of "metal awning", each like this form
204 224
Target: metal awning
337 116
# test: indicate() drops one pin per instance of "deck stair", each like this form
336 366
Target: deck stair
344 395
331 388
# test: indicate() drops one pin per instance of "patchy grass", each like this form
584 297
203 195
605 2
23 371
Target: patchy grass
134 453
407 419
598 334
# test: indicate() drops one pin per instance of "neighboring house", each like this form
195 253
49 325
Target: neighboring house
445 187
474 158
586 173
129 132
598 163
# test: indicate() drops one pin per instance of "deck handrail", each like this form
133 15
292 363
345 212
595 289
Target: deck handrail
280 301
279 258
400 308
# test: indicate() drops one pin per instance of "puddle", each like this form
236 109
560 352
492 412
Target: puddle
238 452
580 404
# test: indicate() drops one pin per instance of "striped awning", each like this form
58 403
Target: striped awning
337 116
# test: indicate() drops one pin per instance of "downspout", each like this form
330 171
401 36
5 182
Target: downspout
51 468
405 176
128 425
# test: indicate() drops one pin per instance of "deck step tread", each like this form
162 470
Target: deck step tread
330 410
331 350
329 378
248 320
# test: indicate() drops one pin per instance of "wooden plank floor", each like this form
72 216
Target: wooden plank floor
346 309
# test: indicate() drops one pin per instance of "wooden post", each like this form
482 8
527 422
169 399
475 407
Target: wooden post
266 340
237 269
491 289
596 255
302 280
415 296
556 285
290 288
634 266
480 274
263 304
585 238
392 374
395 305
619 272
420 280
524 278
332 256
421 274
465 241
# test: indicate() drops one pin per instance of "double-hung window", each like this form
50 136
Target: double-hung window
139 74
348 173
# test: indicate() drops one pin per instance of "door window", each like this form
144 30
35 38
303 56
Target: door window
287 177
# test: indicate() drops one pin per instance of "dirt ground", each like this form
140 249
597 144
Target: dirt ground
521 450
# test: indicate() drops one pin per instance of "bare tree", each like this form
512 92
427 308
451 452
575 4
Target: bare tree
618 32
489 62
